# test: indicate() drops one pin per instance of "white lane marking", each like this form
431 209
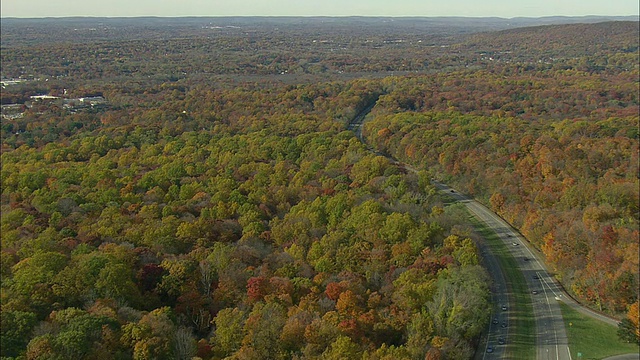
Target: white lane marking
555 333
544 281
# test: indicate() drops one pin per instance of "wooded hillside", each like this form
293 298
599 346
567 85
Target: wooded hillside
553 149
211 202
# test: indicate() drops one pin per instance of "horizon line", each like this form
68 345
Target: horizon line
312 16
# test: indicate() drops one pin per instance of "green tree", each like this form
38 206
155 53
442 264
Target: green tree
15 330
396 227
117 281
420 331
73 334
342 348
33 278
460 305
228 333
76 283
151 337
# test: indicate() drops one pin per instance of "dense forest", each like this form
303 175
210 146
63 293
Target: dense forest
553 150
214 204
564 174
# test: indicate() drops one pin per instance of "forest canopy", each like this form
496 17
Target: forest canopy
202 195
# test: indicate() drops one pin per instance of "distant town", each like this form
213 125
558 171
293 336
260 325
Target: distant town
72 105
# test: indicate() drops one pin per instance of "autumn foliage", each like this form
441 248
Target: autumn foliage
217 207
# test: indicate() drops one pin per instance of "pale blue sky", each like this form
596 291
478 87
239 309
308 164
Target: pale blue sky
500 8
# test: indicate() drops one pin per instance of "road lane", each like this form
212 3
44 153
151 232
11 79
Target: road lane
499 296
551 339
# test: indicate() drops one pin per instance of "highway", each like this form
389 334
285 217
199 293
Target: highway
551 338
545 291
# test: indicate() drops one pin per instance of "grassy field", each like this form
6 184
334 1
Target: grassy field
592 338
523 336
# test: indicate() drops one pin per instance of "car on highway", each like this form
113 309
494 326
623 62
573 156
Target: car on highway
504 307
514 243
535 277
503 325
489 349
535 292
501 341
495 321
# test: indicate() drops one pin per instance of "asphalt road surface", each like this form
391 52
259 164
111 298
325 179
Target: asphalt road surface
551 337
545 291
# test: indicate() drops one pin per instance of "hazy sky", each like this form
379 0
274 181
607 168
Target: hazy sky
500 8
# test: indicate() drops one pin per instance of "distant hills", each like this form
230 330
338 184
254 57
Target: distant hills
563 40
453 22
34 30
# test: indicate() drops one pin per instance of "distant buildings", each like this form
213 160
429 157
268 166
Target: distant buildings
44 97
16 111
93 100
9 82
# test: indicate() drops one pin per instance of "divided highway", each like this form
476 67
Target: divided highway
551 338
546 293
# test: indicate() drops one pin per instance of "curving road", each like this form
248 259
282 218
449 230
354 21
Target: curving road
551 337
546 292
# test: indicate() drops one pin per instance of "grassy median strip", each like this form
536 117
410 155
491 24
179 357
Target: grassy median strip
522 339
591 338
